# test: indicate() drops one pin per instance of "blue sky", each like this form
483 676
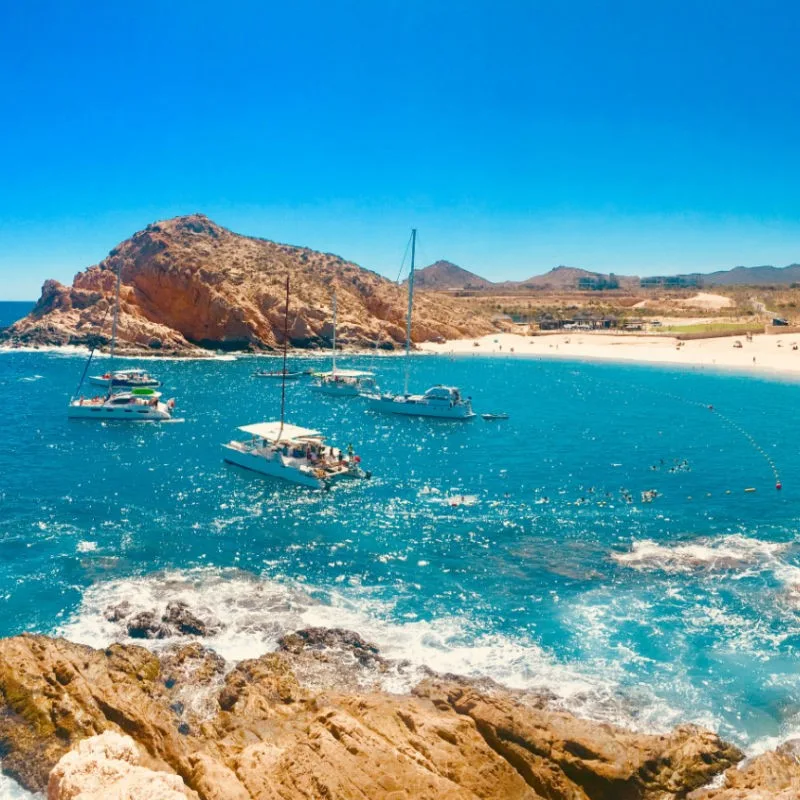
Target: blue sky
639 137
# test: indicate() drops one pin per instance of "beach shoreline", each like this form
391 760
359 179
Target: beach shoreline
762 356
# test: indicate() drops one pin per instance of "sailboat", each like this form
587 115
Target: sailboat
443 402
139 404
341 382
293 453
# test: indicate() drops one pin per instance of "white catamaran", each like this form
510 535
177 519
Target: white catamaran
342 382
128 378
444 402
290 452
137 404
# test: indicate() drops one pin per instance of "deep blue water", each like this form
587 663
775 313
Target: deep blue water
685 608
12 310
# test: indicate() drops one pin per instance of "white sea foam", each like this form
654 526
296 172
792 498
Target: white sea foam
10 790
731 552
86 547
256 612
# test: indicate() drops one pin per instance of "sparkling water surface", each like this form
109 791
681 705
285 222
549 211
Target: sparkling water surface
521 549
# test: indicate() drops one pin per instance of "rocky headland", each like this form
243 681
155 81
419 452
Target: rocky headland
190 286
310 720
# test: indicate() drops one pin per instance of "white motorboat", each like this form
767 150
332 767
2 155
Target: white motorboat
442 402
137 405
342 382
291 452
294 454
128 378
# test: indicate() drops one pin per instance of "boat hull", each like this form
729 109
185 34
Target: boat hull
410 408
103 412
272 467
342 390
98 380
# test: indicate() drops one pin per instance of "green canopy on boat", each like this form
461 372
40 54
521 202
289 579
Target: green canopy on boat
142 391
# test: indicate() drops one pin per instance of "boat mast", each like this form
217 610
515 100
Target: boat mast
333 364
410 306
285 343
116 315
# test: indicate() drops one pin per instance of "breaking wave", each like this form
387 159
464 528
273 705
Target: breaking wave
733 552
253 613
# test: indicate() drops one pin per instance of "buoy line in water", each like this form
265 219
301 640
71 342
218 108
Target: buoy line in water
732 424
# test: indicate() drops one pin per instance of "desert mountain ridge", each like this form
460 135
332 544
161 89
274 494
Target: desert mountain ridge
190 285
444 275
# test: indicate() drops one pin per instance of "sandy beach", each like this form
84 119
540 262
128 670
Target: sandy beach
764 353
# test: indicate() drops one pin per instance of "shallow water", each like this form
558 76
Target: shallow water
506 548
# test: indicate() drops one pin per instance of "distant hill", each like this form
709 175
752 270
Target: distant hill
560 278
446 275
568 278
753 276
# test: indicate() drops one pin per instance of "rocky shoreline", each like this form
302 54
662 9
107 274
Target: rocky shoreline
311 721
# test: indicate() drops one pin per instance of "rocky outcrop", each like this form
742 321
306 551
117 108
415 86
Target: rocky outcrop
188 283
771 776
107 767
299 723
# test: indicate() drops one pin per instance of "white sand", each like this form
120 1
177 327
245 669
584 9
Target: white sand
764 353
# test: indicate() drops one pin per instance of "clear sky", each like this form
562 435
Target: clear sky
637 136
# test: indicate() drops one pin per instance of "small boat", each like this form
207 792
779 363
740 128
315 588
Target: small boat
490 417
125 378
342 382
279 374
137 405
290 452
443 402
294 454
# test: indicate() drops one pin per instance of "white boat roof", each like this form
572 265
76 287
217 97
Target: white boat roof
273 433
345 373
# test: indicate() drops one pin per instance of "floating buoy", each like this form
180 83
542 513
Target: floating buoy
749 489
779 486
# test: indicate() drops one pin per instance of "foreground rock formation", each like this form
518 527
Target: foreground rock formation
188 283
309 721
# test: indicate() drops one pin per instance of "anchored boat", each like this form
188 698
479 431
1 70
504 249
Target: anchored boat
342 382
136 405
295 454
443 402
291 452
128 378
140 404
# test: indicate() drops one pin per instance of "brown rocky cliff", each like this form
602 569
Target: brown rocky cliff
188 283
292 724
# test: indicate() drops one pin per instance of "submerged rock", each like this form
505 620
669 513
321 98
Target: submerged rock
179 617
148 625
270 733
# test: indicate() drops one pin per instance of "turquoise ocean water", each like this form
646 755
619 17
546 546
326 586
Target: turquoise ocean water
522 550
